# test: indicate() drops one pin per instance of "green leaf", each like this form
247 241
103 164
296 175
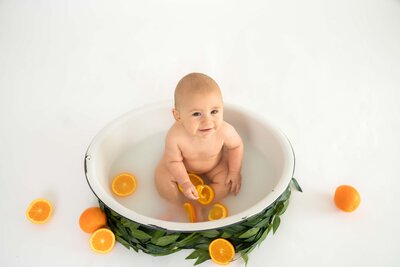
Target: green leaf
249 233
210 234
160 251
226 235
264 235
245 257
262 223
123 242
156 235
203 257
276 223
139 234
196 253
296 185
166 240
284 207
189 240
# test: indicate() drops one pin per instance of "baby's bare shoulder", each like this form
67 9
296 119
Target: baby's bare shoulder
175 133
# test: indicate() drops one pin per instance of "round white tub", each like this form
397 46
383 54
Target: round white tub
134 143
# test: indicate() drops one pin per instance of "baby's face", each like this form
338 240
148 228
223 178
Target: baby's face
201 114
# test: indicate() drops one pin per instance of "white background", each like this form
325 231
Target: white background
326 72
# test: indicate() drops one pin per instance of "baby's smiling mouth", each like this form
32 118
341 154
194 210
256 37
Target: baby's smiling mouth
205 129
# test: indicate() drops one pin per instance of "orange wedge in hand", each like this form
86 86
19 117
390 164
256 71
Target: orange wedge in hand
221 251
206 194
191 213
39 211
102 241
124 184
195 179
218 211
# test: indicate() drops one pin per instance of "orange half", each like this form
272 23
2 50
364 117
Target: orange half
195 179
191 213
102 241
39 211
206 194
221 251
124 184
218 211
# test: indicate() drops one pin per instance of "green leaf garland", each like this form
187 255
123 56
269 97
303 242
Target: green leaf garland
244 235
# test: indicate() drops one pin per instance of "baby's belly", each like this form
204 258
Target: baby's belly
201 166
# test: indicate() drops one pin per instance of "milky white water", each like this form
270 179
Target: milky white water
142 159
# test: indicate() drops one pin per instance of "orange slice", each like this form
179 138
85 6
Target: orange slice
191 213
221 251
39 211
206 194
218 211
195 179
102 241
92 219
123 184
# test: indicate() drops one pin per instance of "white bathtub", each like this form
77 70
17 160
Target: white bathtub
259 188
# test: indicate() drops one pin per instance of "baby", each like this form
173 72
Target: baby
200 142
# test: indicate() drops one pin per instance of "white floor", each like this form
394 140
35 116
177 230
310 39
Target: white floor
326 72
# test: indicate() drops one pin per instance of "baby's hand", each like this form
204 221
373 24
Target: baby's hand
190 191
235 180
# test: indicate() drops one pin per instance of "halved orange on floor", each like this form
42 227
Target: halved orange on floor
124 184
206 194
221 251
195 179
102 241
39 211
218 211
190 211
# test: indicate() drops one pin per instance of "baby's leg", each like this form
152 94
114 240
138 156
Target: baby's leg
168 190
217 177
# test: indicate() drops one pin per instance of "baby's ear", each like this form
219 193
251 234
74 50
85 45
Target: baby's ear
176 115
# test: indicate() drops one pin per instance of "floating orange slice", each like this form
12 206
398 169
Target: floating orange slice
195 179
191 213
218 211
124 184
221 251
102 241
206 194
39 211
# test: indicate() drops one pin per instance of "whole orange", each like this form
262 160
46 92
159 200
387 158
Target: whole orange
92 219
347 198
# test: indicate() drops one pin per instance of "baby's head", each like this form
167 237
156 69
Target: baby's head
198 104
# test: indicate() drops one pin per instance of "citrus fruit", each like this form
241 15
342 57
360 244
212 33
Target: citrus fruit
39 211
123 184
221 251
195 179
102 241
191 213
218 211
92 219
206 194
346 198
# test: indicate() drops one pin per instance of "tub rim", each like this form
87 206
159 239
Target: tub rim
151 222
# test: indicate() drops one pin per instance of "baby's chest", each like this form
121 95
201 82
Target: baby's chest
202 151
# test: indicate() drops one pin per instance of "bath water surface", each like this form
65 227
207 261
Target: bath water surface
142 158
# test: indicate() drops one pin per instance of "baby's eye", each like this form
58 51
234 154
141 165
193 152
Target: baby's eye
196 114
215 111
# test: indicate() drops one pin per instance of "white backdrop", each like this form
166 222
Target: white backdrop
326 72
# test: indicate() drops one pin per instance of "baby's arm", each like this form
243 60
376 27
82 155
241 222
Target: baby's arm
174 163
234 144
